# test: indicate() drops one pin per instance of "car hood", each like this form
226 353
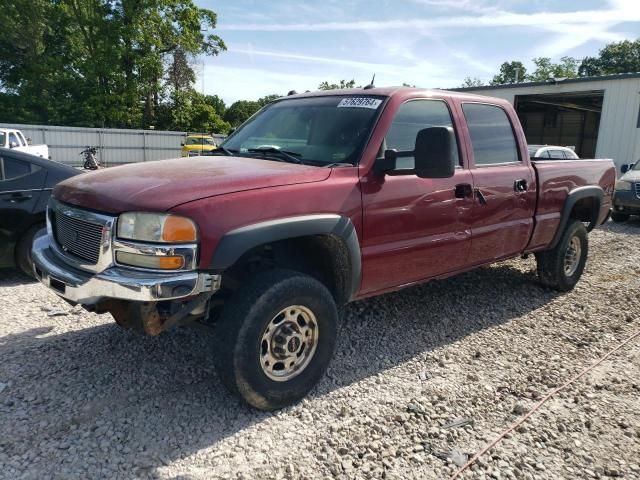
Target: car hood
161 185
631 176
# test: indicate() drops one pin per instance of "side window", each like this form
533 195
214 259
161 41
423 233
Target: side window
492 136
545 154
557 154
13 139
412 117
12 169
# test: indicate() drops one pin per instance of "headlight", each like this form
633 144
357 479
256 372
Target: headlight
622 185
155 227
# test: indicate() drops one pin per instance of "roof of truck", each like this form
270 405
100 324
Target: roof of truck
389 92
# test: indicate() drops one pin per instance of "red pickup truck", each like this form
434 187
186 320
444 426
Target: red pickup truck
317 200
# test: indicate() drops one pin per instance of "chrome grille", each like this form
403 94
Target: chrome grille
78 237
637 187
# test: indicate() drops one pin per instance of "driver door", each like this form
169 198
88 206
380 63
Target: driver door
414 228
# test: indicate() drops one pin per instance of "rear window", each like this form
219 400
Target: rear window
492 136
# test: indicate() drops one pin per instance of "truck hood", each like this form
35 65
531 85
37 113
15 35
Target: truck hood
161 185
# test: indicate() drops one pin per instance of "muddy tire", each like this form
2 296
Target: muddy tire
619 217
561 267
275 338
23 249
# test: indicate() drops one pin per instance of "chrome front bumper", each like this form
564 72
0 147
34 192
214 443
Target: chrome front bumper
89 288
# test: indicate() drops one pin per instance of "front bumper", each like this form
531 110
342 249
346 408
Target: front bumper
626 201
89 288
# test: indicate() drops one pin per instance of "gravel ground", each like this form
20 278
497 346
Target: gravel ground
421 379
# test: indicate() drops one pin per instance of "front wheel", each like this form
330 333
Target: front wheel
561 267
275 338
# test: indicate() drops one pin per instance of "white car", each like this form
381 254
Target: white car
16 140
552 152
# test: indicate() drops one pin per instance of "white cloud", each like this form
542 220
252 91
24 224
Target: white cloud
622 11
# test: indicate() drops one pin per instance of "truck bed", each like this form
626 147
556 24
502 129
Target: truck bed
555 179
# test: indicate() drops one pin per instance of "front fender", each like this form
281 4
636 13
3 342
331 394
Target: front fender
237 242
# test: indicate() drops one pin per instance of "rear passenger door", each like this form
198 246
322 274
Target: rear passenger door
504 185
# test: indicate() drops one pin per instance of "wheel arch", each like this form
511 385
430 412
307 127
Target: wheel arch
582 203
325 246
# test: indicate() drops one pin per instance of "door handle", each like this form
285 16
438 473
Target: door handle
463 190
479 195
520 185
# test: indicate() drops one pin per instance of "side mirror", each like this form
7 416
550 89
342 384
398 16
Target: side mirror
432 155
182 144
13 144
29 141
625 168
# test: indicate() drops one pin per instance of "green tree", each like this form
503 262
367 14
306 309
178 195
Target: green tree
335 86
240 111
97 62
616 57
268 99
545 69
510 72
472 82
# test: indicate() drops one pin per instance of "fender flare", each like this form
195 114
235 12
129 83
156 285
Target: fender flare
237 242
574 196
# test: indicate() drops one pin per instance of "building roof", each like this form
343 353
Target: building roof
552 81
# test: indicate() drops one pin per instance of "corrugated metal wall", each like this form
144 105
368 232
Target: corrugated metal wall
618 135
116 146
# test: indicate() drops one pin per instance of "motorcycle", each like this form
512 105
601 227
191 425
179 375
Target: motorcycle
91 161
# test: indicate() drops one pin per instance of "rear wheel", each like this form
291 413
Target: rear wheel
23 249
275 338
561 267
619 217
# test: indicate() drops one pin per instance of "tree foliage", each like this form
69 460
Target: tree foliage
469 82
336 86
241 110
616 57
100 62
545 69
510 72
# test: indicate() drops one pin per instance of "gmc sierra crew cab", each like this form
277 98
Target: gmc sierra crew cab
317 200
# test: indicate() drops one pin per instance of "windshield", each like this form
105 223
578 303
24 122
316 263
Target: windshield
200 141
320 130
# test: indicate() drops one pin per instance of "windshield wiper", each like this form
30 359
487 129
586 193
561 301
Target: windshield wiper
283 154
225 151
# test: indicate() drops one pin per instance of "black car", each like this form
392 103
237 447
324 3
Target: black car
26 182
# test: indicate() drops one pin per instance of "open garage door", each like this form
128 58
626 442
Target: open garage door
565 119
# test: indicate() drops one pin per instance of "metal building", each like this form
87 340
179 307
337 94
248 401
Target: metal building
598 116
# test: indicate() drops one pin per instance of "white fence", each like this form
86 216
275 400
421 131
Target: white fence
116 145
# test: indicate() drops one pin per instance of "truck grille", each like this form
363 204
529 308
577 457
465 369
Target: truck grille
79 237
637 187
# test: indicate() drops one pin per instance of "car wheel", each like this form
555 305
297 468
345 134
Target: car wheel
23 249
275 338
619 217
561 267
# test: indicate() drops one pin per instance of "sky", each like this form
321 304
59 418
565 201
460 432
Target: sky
281 45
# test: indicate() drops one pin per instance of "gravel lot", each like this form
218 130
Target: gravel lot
421 379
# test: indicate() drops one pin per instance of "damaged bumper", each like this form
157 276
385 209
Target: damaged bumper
121 283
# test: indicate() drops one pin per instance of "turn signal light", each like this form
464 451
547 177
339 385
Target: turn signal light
179 229
174 262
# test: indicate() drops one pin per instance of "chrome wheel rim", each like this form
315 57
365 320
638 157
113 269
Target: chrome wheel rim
288 343
572 256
